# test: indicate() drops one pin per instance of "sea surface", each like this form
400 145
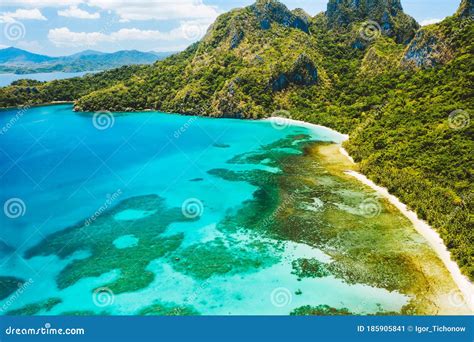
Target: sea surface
7 79
142 214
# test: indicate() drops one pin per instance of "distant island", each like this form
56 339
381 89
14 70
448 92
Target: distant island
18 61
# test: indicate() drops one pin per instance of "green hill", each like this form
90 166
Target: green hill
13 60
403 93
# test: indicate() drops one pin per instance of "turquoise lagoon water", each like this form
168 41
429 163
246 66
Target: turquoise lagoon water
66 171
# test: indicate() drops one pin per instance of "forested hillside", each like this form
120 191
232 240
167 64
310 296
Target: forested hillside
403 93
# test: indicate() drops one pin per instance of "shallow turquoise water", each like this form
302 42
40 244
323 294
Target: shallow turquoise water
66 171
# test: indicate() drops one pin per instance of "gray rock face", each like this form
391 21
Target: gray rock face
269 11
237 37
426 50
387 13
343 12
303 73
466 9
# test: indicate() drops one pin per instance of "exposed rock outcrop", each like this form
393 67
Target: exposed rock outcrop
271 11
466 9
426 50
388 14
302 73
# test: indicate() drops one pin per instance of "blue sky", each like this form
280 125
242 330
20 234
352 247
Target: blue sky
62 27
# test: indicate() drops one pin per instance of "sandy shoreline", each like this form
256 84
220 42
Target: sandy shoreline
285 122
433 238
423 228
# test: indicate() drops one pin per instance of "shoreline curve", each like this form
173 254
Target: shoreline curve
423 228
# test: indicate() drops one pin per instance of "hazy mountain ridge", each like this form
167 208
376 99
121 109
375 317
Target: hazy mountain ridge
13 60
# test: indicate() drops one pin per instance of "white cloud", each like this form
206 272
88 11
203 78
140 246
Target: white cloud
76 12
64 37
430 21
21 14
41 3
134 10
187 32
158 9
